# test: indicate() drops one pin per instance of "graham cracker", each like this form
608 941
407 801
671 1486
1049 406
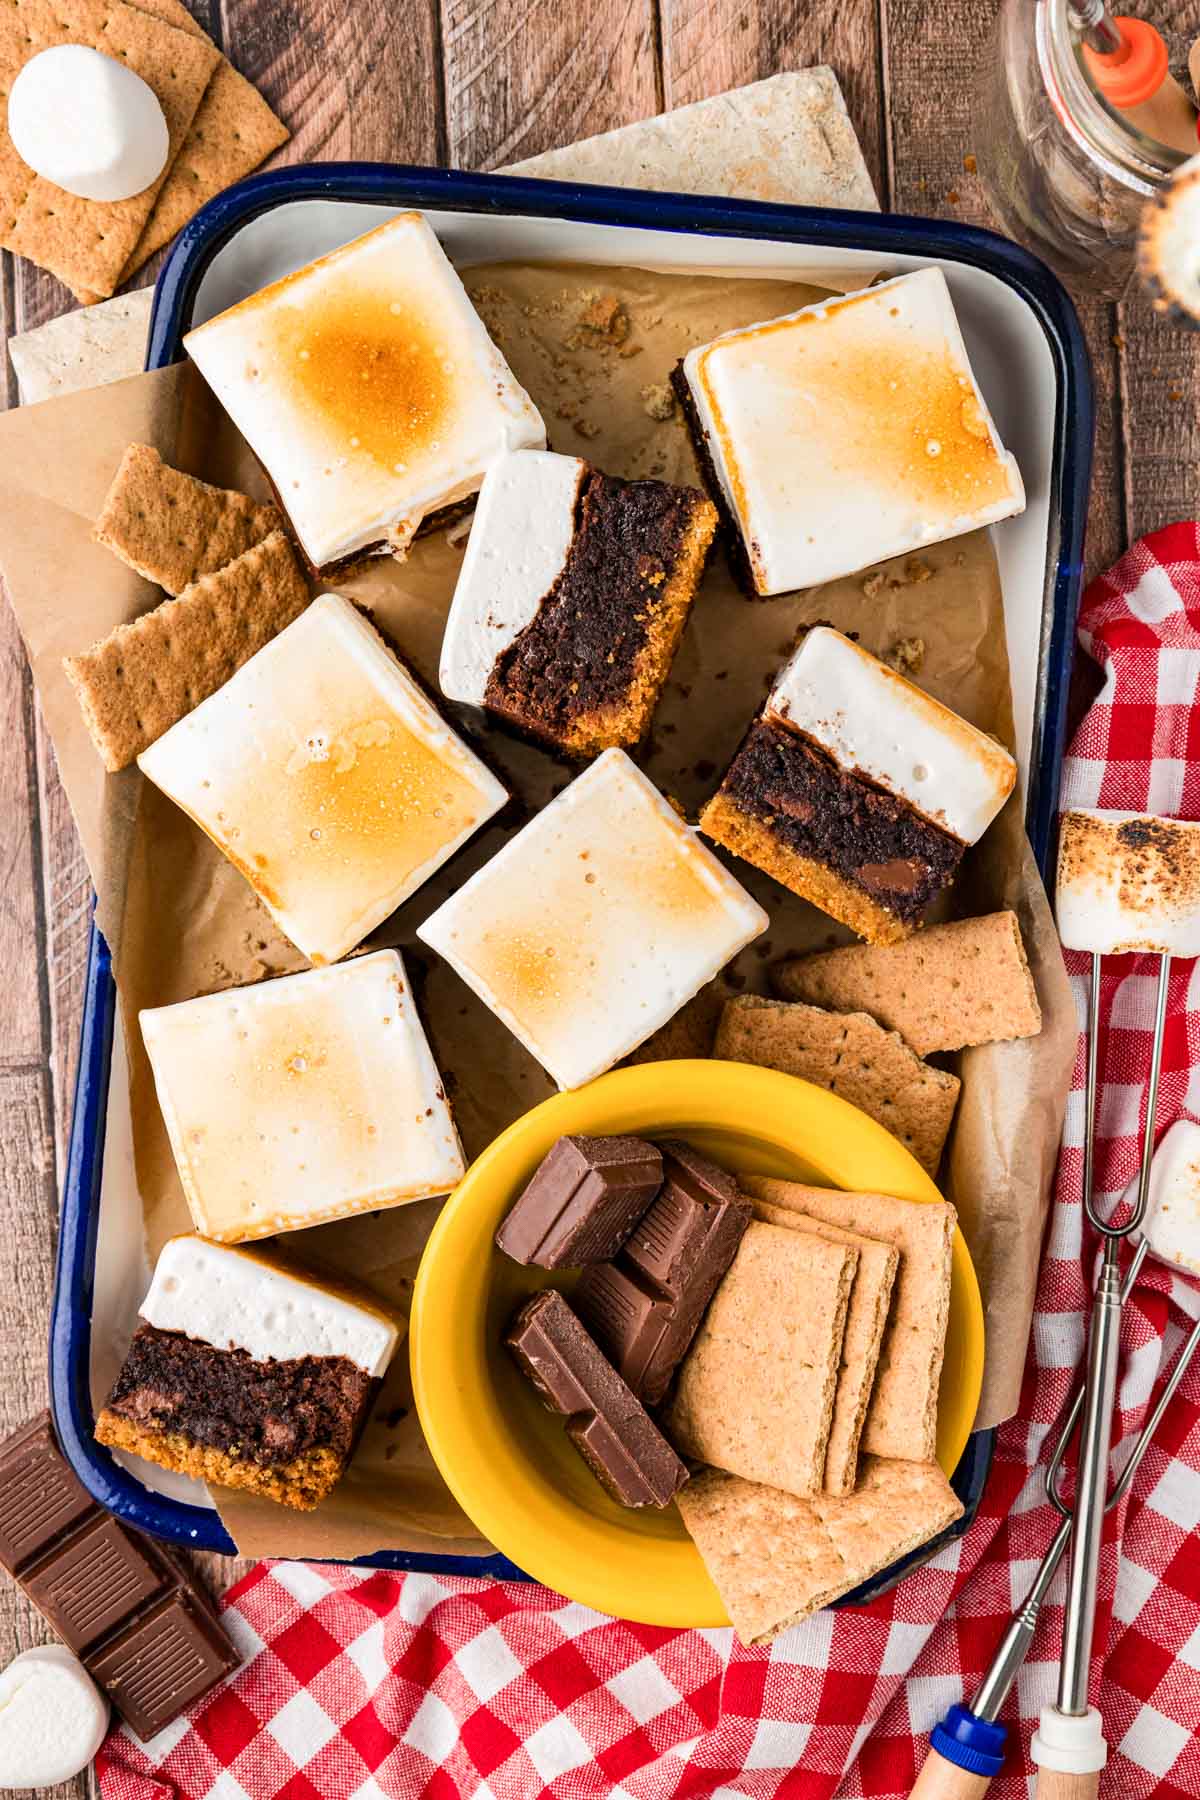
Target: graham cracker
902 1413
775 1559
87 243
233 131
755 1391
172 528
951 986
850 1055
866 1322
145 676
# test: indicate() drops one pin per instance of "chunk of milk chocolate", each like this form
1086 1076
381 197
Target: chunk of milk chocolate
582 1202
608 1425
645 1307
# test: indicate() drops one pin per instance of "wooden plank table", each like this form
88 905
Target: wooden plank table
474 84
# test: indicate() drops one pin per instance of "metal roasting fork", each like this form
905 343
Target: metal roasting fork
1069 1744
941 1779
1069 1747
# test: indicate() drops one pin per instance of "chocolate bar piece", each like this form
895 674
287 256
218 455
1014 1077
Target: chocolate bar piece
95 1580
146 1633
40 1495
645 1308
607 1424
162 1661
582 1202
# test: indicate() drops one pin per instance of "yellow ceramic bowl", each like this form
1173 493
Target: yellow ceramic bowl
507 1461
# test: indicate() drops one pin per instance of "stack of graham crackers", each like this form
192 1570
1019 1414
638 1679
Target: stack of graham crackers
811 1390
234 584
219 129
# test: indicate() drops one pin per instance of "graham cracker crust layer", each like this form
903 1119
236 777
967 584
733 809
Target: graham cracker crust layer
302 1483
725 823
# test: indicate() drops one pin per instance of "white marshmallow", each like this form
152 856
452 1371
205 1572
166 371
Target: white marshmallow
850 431
327 778
875 723
595 924
1128 882
234 1300
53 1718
87 123
521 535
368 387
302 1099
1171 1226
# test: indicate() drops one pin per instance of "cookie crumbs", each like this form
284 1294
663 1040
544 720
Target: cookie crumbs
906 656
872 583
602 323
586 428
658 400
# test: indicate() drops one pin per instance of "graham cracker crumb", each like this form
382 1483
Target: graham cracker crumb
906 656
658 400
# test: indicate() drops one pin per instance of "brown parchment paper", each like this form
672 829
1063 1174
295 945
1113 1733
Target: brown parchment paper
182 922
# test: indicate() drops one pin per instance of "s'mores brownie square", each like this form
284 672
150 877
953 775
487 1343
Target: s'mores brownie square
326 777
368 388
248 1372
573 595
595 923
847 432
857 790
302 1099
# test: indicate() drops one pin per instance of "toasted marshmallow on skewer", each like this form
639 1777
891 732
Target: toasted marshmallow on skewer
1171 1227
1128 882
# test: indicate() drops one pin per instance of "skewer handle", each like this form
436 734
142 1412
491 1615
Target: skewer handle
942 1780
1056 1784
1069 1752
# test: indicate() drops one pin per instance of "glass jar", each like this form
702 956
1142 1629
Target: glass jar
1064 173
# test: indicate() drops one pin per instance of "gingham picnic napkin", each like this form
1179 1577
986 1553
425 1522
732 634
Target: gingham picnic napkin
361 1684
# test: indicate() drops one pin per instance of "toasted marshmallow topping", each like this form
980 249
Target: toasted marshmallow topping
850 431
369 389
1128 882
520 538
302 1099
875 723
326 777
1172 1222
235 1300
595 923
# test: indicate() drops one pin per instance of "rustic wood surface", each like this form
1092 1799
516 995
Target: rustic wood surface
477 83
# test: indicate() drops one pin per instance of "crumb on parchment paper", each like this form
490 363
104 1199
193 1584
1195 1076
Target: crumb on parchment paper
906 656
658 400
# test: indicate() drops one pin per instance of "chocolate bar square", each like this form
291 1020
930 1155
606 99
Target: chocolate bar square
608 1425
582 1202
644 1308
162 1662
40 1496
93 1581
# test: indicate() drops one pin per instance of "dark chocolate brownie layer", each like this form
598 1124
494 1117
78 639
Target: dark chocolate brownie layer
581 650
268 1412
863 833
736 553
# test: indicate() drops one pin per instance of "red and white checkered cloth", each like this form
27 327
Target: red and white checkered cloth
367 1684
